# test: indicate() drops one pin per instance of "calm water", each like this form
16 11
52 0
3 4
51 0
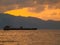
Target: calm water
30 37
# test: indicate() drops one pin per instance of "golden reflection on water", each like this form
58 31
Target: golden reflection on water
30 37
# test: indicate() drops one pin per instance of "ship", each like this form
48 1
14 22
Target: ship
21 28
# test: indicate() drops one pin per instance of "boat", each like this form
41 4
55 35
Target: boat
21 28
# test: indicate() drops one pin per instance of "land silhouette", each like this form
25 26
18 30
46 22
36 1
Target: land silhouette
27 22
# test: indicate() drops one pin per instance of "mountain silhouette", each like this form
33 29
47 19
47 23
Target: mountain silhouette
27 22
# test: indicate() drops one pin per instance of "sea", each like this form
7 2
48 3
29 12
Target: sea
29 37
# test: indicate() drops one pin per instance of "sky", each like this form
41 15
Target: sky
44 9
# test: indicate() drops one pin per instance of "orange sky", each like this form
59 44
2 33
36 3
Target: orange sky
46 14
44 9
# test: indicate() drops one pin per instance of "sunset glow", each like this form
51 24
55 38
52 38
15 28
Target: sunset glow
53 14
44 9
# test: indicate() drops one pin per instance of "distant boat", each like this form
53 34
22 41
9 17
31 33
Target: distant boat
21 28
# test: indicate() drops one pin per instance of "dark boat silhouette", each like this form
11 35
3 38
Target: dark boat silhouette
21 28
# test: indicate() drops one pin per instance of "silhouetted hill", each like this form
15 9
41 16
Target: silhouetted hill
28 22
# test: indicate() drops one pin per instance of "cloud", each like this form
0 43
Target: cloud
38 5
54 4
37 9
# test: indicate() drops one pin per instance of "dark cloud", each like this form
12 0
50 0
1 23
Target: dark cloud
53 1
54 4
39 5
6 8
7 2
48 1
25 3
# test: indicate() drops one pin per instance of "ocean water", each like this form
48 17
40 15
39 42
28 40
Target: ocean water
30 37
